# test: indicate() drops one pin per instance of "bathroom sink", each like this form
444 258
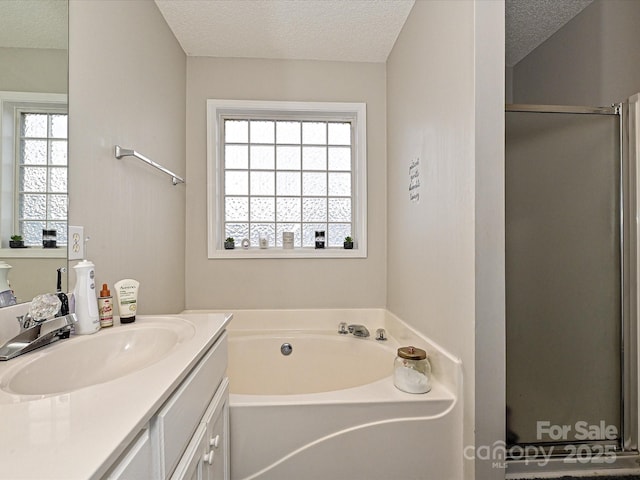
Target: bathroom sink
89 360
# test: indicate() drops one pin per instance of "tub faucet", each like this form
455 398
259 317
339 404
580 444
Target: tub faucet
358 330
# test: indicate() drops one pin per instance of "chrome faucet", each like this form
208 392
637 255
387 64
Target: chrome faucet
44 324
358 330
36 334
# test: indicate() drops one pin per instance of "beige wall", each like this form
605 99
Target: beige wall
127 86
33 70
593 60
284 283
445 100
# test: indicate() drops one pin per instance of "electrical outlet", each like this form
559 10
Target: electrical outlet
76 243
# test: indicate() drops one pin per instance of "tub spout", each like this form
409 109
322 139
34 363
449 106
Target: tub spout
359 330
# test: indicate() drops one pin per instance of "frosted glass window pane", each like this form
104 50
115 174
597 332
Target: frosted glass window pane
339 184
58 126
288 210
337 232
262 132
33 179
262 209
61 231
236 230
288 158
314 183
288 183
264 230
236 156
339 134
32 232
33 206
58 180
309 233
34 125
287 132
314 210
57 207
340 158
296 228
58 152
236 131
262 157
236 209
314 158
339 209
314 133
236 183
262 183
34 152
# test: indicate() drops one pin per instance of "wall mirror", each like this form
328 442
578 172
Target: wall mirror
33 144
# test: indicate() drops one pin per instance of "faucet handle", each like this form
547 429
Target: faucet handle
381 335
342 328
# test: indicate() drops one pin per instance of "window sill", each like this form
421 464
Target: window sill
242 253
34 252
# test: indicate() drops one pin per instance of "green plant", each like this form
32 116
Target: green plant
230 240
16 238
348 239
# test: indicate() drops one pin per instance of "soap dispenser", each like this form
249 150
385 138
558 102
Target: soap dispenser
86 302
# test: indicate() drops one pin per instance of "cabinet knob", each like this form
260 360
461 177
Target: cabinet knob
215 441
208 457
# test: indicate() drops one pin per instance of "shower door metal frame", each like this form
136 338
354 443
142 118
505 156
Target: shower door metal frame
629 145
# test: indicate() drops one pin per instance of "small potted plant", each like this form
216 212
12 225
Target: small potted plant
16 241
348 243
229 243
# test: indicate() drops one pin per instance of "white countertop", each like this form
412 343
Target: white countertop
78 435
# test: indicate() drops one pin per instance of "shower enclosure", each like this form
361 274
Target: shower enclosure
570 288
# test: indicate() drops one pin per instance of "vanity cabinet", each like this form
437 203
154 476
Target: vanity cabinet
187 438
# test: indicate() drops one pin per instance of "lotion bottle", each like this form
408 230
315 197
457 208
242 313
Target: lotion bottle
127 294
86 303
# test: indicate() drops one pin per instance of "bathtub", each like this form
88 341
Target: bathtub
329 410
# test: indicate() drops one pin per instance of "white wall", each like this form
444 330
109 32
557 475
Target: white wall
593 60
127 86
445 102
284 283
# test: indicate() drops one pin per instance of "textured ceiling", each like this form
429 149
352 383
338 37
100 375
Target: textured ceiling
33 23
348 30
343 30
530 22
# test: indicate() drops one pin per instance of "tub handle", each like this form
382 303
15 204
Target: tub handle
342 328
381 335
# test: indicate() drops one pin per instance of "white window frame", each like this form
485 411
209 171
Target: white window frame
217 108
10 102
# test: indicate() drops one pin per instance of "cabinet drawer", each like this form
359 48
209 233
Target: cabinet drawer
176 421
136 462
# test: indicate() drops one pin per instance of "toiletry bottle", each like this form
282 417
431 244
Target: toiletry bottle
86 303
105 307
127 294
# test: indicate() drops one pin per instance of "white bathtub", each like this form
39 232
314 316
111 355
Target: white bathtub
330 411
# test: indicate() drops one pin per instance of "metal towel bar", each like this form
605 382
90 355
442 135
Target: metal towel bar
125 152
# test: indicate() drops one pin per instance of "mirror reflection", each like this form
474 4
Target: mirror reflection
33 146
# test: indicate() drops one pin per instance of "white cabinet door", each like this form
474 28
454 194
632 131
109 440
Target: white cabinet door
216 420
191 463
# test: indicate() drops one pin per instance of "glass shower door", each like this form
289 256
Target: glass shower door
563 279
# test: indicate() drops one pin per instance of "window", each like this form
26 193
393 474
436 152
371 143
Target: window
41 175
33 160
277 167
